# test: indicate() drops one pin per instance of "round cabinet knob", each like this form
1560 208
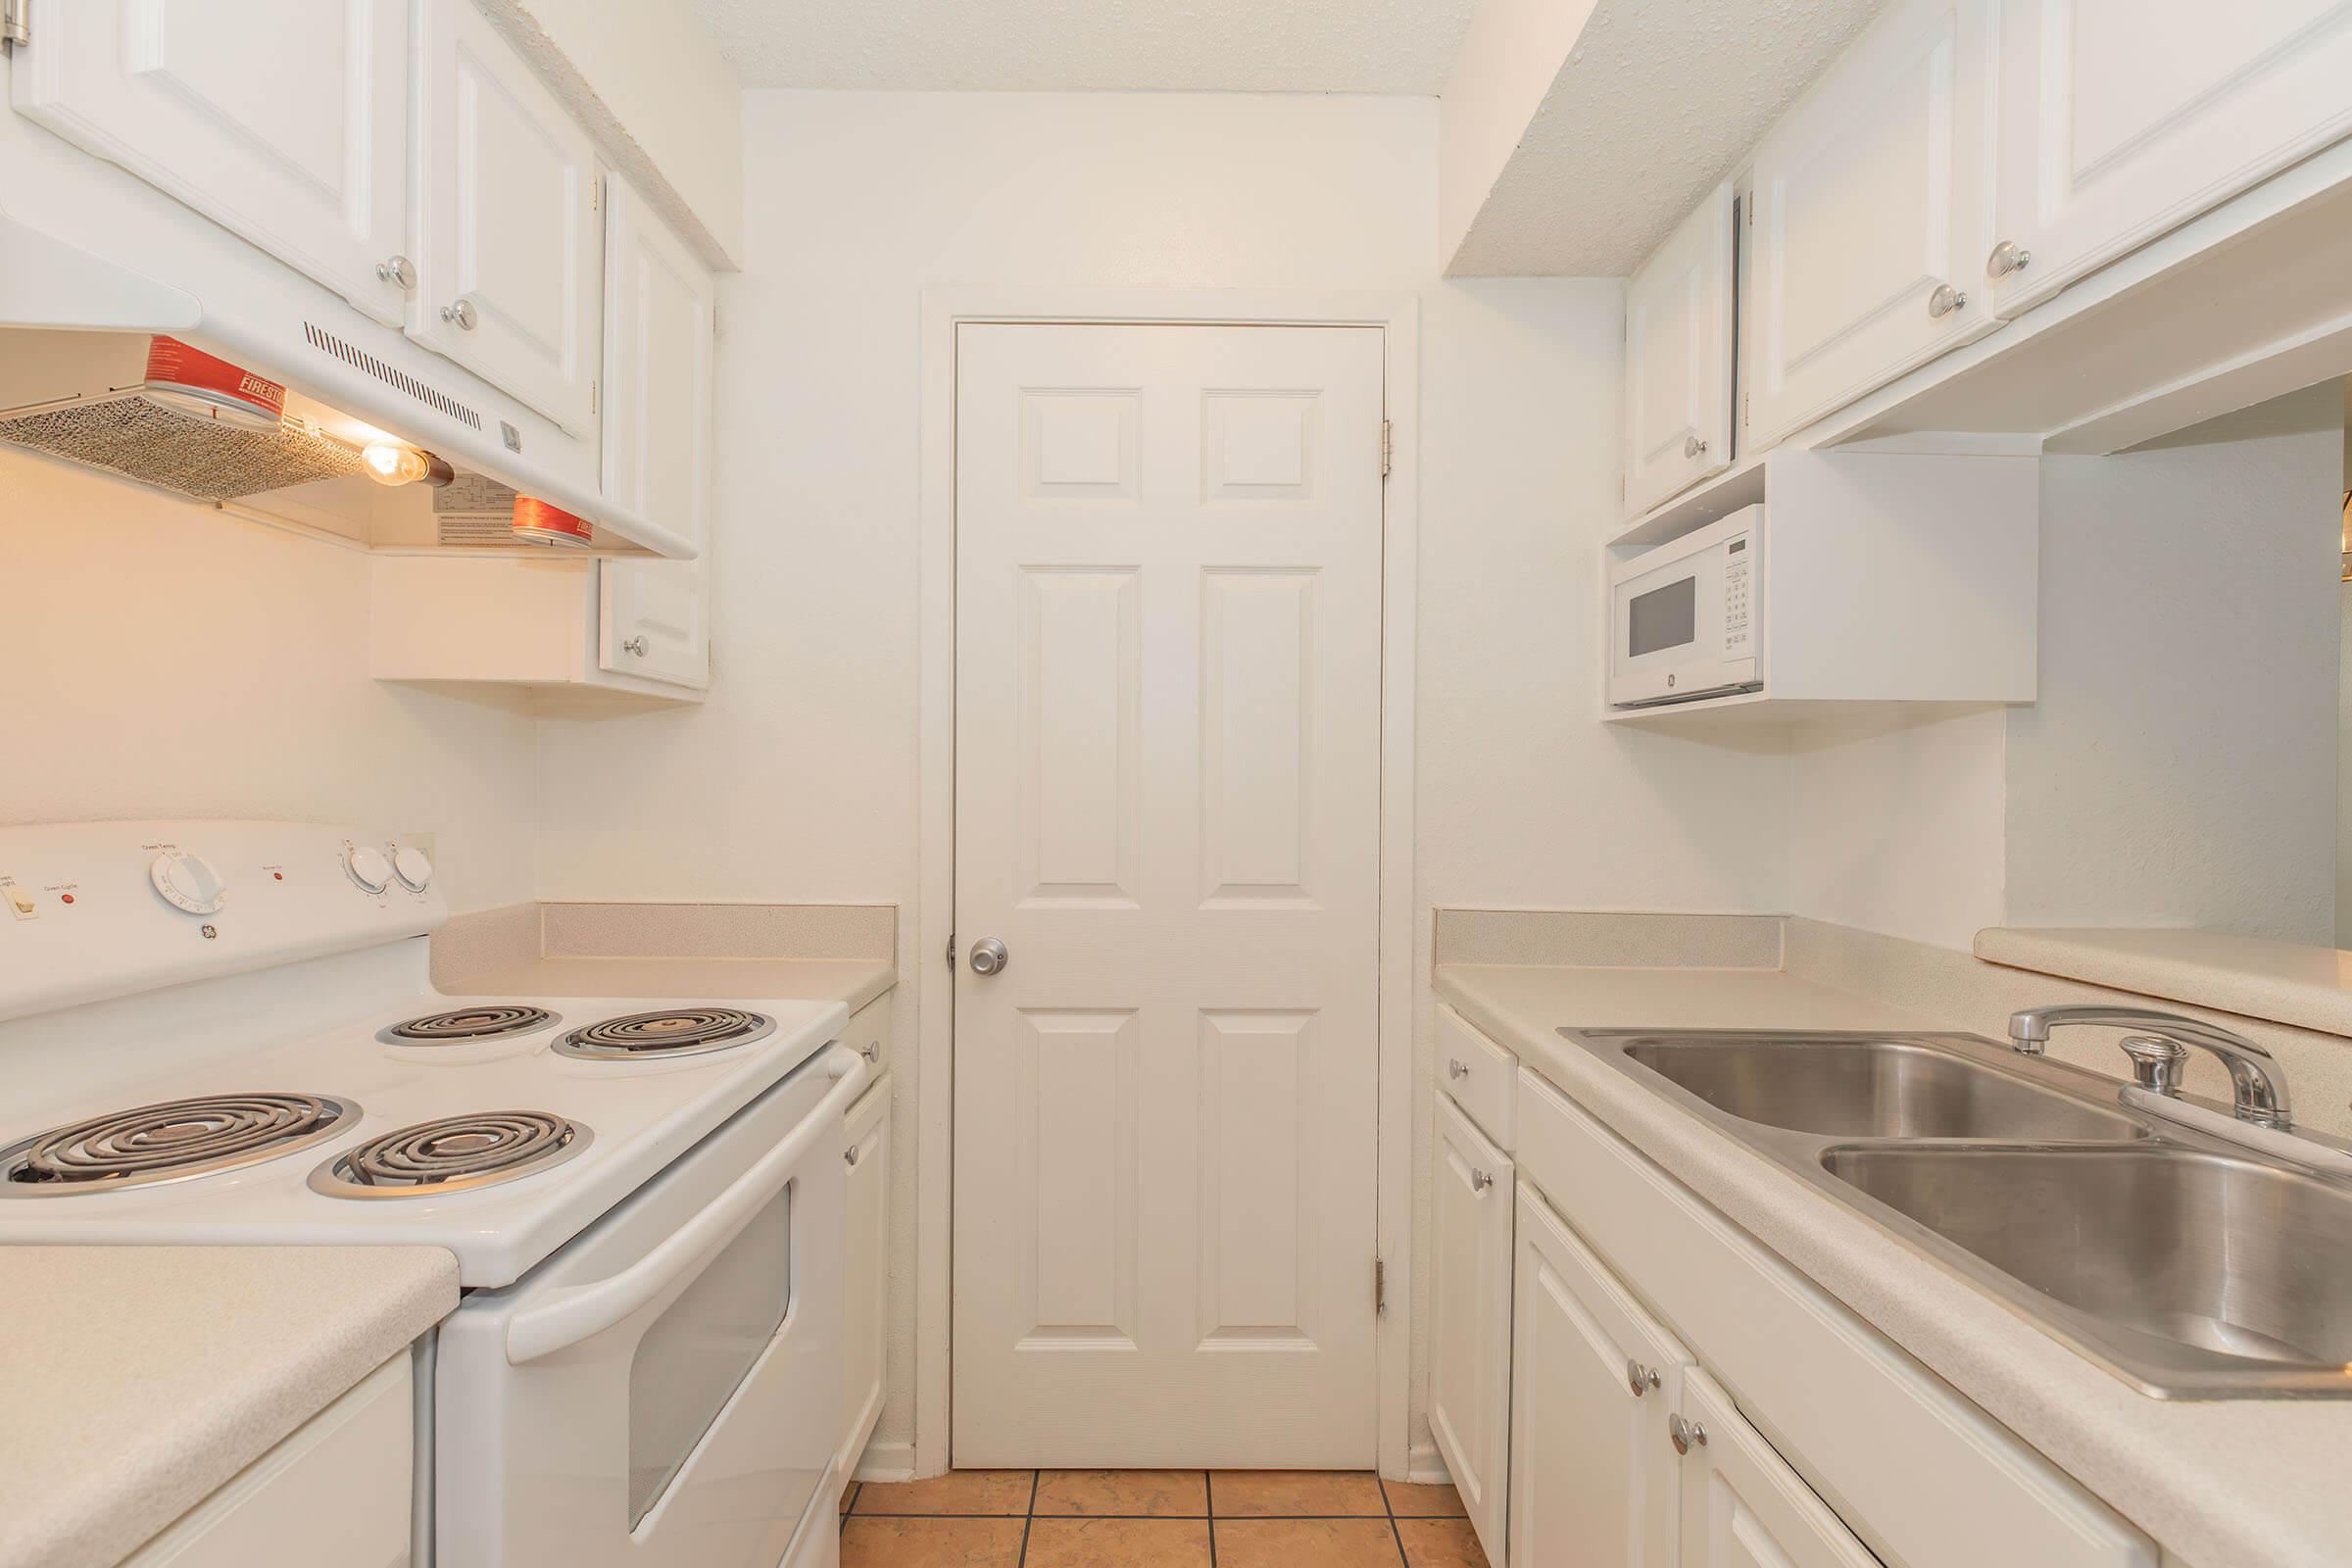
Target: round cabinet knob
635 645
369 868
1457 1067
187 882
461 314
2007 258
1694 447
1685 1435
1639 1377
399 272
1945 301
414 871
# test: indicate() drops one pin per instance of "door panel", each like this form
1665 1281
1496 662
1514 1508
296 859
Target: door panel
300 147
1677 359
507 218
1593 1474
1470 1321
2121 119
1869 196
1168 634
1742 1506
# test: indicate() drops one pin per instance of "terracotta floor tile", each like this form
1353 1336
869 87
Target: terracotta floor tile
1409 1499
958 1491
1289 1493
1119 1544
1305 1543
849 1494
867 1541
1440 1543
1162 1494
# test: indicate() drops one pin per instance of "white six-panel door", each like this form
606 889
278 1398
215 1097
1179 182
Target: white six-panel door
284 120
507 247
1168 546
2123 118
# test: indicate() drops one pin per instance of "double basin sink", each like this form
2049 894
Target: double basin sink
2188 1266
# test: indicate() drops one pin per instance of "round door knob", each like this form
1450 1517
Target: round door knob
187 882
1945 301
1685 1435
1694 447
399 272
989 956
2007 258
635 645
369 867
461 314
414 871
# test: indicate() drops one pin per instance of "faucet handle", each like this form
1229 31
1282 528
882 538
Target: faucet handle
2156 1062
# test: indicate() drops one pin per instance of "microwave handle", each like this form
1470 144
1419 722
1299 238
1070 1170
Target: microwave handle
578 1312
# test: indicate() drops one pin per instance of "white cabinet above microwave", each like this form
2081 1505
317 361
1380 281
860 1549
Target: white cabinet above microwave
1810 583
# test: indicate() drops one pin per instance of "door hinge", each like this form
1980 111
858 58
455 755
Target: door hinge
950 953
15 21
1388 447
1380 1287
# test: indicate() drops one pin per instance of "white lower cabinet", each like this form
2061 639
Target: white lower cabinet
336 1490
865 1275
1742 1506
1594 1382
1470 1320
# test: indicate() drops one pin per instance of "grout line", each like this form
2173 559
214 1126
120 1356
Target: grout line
1028 1519
1390 1503
1208 1513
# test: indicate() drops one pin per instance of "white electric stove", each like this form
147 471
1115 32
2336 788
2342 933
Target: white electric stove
225 1032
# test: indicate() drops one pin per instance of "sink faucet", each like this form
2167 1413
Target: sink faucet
2157 1053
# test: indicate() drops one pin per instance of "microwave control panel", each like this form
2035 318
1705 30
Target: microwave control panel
1737 573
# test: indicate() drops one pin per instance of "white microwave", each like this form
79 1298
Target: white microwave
1683 616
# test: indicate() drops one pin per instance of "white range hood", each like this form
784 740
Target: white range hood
93 263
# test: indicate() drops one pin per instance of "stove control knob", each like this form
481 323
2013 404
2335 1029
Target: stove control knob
369 867
414 871
187 882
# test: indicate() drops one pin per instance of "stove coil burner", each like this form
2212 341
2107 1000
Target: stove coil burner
169 1142
671 1031
464 1025
455 1154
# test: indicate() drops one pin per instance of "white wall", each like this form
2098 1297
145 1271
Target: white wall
166 661
797 779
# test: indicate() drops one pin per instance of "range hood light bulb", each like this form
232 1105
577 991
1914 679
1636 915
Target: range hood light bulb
391 462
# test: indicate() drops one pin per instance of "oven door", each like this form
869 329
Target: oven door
667 1388
1678 622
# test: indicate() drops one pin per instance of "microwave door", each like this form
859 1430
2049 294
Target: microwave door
1668 633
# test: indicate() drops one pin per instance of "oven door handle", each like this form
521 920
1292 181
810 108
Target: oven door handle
577 1312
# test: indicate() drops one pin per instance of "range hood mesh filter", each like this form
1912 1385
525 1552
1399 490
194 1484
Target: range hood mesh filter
203 459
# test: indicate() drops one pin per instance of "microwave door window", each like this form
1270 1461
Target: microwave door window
1661 619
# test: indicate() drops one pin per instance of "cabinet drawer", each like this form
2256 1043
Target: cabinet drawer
1859 1418
868 1034
1482 1077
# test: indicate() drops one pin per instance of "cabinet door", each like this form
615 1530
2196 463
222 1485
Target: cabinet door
867 1279
1470 1320
2121 119
300 146
659 306
1871 206
506 244
1742 1506
1677 359
1592 1383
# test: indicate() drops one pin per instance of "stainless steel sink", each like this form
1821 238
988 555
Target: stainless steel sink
2186 1265
2214 1260
1872 1088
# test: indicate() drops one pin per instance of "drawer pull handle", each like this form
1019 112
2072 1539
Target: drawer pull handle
1685 1435
1639 1377
1457 1067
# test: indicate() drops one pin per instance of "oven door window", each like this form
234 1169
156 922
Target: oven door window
1666 616
692 1357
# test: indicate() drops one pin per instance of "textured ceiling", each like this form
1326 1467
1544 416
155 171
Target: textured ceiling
1659 100
1370 46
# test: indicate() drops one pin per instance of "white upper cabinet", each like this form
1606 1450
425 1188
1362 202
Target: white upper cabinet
1594 1382
1470 1328
507 240
1677 359
2121 119
1870 224
660 308
301 146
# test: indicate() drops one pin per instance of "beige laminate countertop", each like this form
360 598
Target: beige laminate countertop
136 1380
853 982
2222 1484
